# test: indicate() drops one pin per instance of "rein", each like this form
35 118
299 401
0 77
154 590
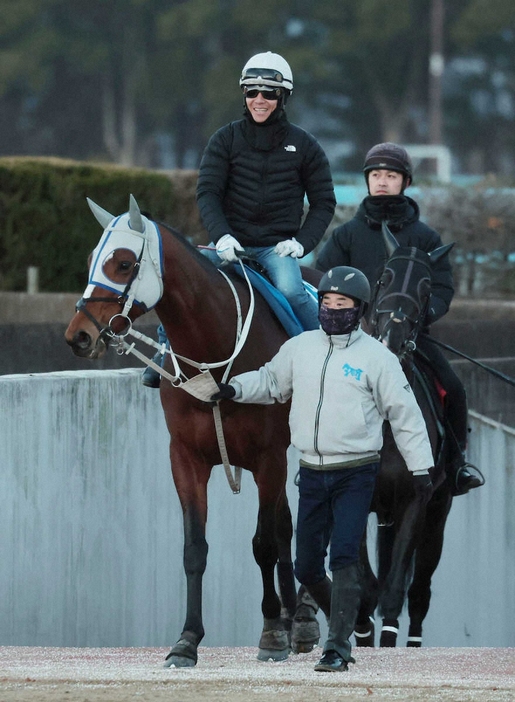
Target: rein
489 369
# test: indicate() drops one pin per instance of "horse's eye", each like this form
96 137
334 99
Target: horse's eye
125 265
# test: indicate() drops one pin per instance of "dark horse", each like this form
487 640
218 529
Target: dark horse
409 533
139 264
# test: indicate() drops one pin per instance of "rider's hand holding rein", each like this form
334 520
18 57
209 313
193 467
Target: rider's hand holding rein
226 248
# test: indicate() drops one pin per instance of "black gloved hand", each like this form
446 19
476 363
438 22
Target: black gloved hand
423 486
225 392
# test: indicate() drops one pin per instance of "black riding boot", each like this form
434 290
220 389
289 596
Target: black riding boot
345 601
150 377
462 479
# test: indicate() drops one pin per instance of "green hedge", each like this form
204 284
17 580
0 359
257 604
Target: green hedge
45 220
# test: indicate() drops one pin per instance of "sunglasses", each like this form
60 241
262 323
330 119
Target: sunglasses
274 94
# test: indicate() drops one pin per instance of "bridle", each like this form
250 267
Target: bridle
396 314
125 300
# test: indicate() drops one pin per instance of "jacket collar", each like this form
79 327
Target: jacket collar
342 340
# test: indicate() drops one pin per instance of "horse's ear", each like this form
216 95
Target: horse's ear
102 216
439 253
135 220
390 241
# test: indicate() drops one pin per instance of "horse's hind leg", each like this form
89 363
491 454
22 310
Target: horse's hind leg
364 631
274 643
427 557
285 577
305 633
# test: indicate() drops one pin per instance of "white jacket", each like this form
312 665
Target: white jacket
341 388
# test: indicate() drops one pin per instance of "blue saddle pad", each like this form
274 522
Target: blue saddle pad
278 303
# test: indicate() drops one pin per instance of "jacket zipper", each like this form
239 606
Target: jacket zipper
321 400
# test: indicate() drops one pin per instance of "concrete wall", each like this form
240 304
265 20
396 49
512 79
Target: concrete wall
91 531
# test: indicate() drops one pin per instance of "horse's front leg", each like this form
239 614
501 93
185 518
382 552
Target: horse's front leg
191 477
270 480
393 590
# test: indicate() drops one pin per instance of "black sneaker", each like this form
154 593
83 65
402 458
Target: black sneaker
331 662
150 377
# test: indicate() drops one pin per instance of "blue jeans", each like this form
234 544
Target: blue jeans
333 509
285 274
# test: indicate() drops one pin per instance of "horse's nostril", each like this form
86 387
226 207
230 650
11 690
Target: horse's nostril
82 340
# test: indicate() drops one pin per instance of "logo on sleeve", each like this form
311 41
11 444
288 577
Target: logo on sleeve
290 147
353 372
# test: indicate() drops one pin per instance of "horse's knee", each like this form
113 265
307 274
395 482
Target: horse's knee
195 557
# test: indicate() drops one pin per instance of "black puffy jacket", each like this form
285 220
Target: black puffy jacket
359 243
253 180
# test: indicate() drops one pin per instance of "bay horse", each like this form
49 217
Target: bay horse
138 265
409 533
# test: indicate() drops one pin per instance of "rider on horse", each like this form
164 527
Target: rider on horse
253 178
388 172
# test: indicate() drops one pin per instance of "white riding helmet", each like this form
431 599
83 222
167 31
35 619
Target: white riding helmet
267 69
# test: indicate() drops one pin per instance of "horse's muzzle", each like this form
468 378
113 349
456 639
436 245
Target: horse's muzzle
83 345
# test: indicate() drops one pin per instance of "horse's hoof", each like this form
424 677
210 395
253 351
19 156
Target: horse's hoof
272 654
365 634
182 655
274 644
389 633
179 662
305 635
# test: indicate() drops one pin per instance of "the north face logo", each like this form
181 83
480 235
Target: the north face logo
290 147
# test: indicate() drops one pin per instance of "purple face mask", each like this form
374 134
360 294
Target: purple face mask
341 321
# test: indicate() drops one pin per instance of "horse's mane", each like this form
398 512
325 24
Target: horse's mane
200 258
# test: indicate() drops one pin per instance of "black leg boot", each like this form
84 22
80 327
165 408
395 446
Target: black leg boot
345 601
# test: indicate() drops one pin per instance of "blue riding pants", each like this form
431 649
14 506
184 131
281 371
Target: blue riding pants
284 272
333 509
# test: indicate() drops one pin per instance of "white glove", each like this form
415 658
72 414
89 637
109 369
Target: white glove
289 247
227 246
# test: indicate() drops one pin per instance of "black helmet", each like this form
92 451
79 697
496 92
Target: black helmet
346 281
390 156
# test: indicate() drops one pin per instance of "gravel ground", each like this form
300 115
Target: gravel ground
234 675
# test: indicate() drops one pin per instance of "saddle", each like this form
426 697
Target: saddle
275 299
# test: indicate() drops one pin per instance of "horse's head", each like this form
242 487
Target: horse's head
125 280
402 294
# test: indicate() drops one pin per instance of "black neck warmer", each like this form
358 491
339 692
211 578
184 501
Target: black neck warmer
266 135
390 208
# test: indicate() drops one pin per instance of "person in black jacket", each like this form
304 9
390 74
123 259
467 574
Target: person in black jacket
253 178
358 242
